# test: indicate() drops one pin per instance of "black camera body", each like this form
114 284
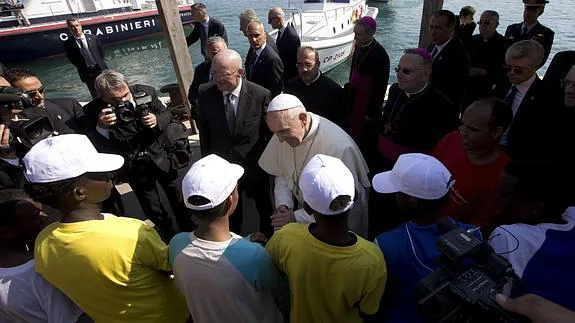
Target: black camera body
14 99
464 286
126 112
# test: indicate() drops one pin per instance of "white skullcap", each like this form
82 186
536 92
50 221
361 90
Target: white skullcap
284 102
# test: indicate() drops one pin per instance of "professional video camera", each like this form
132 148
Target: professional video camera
14 99
126 112
24 132
469 276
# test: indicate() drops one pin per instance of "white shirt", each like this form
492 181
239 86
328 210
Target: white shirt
26 297
529 28
441 47
521 91
228 281
259 51
286 163
235 98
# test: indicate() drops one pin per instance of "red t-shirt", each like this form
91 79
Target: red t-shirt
472 199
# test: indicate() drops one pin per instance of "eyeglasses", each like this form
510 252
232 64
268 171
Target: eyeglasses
406 71
40 91
516 69
567 83
216 76
307 66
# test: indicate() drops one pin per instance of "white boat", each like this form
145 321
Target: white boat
327 26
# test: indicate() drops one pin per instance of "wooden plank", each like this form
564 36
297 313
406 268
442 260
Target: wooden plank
429 7
179 53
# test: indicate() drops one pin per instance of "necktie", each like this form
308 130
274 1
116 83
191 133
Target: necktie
253 61
230 114
279 36
511 96
203 36
434 52
90 61
524 31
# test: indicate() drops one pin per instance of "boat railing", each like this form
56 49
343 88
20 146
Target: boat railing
339 11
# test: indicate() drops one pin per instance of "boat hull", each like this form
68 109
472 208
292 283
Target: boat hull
24 44
331 56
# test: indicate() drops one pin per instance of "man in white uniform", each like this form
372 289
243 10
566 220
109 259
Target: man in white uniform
298 136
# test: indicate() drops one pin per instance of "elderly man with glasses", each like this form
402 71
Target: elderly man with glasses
232 125
66 115
415 117
531 132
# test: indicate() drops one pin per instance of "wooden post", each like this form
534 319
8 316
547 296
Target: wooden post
179 53
429 7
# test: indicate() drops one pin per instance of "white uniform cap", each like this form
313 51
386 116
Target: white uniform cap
416 175
323 179
64 157
213 178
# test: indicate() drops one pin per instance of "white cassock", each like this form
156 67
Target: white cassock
286 163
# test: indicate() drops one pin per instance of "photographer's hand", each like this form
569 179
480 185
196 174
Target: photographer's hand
536 308
106 118
5 142
150 120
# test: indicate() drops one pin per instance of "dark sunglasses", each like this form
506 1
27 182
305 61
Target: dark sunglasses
406 71
41 91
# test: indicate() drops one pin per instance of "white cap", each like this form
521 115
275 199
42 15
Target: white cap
213 178
323 179
284 102
66 156
416 175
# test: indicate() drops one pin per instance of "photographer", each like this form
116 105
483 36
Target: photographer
29 125
133 122
66 115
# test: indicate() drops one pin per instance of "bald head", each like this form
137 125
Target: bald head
227 70
4 82
256 34
276 17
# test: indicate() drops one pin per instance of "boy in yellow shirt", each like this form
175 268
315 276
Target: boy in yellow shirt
115 269
334 275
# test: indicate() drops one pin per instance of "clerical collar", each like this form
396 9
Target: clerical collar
418 92
261 49
314 119
368 44
313 81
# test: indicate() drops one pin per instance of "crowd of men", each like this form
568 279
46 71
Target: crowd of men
348 187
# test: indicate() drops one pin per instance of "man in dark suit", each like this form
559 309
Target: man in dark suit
202 72
155 147
248 16
204 27
287 41
263 65
487 53
450 58
86 53
531 28
65 115
532 131
232 125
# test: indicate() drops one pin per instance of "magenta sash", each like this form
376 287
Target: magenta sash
391 150
363 87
